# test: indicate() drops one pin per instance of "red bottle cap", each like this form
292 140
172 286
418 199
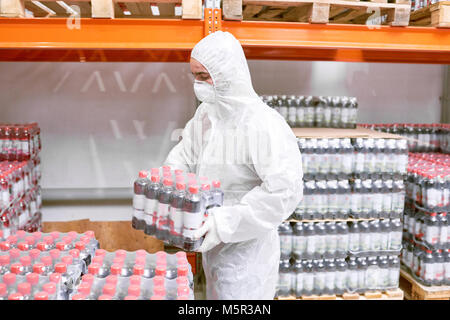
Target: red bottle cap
55 235
116 269
134 290
30 240
80 245
178 172
166 168
23 246
135 280
155 178
168 182
12 239
33 278
16 268
154 171
15 296
84 288
141 253
24 288
60 268
94 268
55 253
90 234
109 289
104 297
138 269
130 298
2 289
181 186
85 239
121 253
206 187
160 270
4 260
158 281
21 234
72 234
193 189
67 240
9 278
4 246
75 253
161 255
183 271
78 296
14 253
143 174
67 260
47 260
61 246
41 296
216 184
41 246
100 252
49 287
25 261
48 240
88 278
140 260
34 253
181 255
38 268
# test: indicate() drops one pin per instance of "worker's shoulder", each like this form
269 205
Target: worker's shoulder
263 117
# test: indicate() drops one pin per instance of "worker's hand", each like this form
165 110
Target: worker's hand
209 229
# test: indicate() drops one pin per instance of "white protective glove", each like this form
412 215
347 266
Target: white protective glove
212 236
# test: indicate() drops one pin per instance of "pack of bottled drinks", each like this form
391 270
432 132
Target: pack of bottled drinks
315 112
70 266
172 205
138 275
20 174
426 246
432 137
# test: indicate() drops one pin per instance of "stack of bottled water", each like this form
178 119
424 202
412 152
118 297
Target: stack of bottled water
353 156
34 286
338 276
433 137
37 259
338 197
320 112
20 174
171 205
426 248
329 240
123 275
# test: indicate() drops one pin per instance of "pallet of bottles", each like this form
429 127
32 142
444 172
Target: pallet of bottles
393 294
433 15
19 142
414 290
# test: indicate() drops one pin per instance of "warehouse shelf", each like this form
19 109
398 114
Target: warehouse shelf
23 39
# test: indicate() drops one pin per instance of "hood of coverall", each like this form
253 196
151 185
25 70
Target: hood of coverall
222 55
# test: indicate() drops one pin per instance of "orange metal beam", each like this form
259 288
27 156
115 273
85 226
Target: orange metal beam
171 40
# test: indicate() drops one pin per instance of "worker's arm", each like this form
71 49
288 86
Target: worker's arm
264 207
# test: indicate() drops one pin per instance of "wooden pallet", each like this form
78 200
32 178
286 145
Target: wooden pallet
148 9
415 291
320 11
436 15
394 294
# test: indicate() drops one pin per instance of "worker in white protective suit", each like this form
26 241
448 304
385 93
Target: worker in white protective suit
237 139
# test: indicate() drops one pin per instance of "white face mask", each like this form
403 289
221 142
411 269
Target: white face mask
204 91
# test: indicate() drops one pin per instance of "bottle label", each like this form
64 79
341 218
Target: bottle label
300 115
395 240
138 201
286 244
299 245
375 240
285 281
352 280
329 280
432 234
365 241
429 272
308 282
443 234
331 244
150 206
387 202
384 241
319 281
340 280
299 283
354 242
311 244
163 210
342 242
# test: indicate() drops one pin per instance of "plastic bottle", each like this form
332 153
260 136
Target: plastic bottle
299 278
385 227
395 235
217 194
164 198
383 265
331 240
354 237
151 205
342 239
308 280
375 236
365 236
193 218
285 279
139 200
427 268
299 241
439 268
321 236
319 277
177 214
330 277
447 267
352 275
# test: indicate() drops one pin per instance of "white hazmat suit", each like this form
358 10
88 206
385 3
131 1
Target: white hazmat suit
237 139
